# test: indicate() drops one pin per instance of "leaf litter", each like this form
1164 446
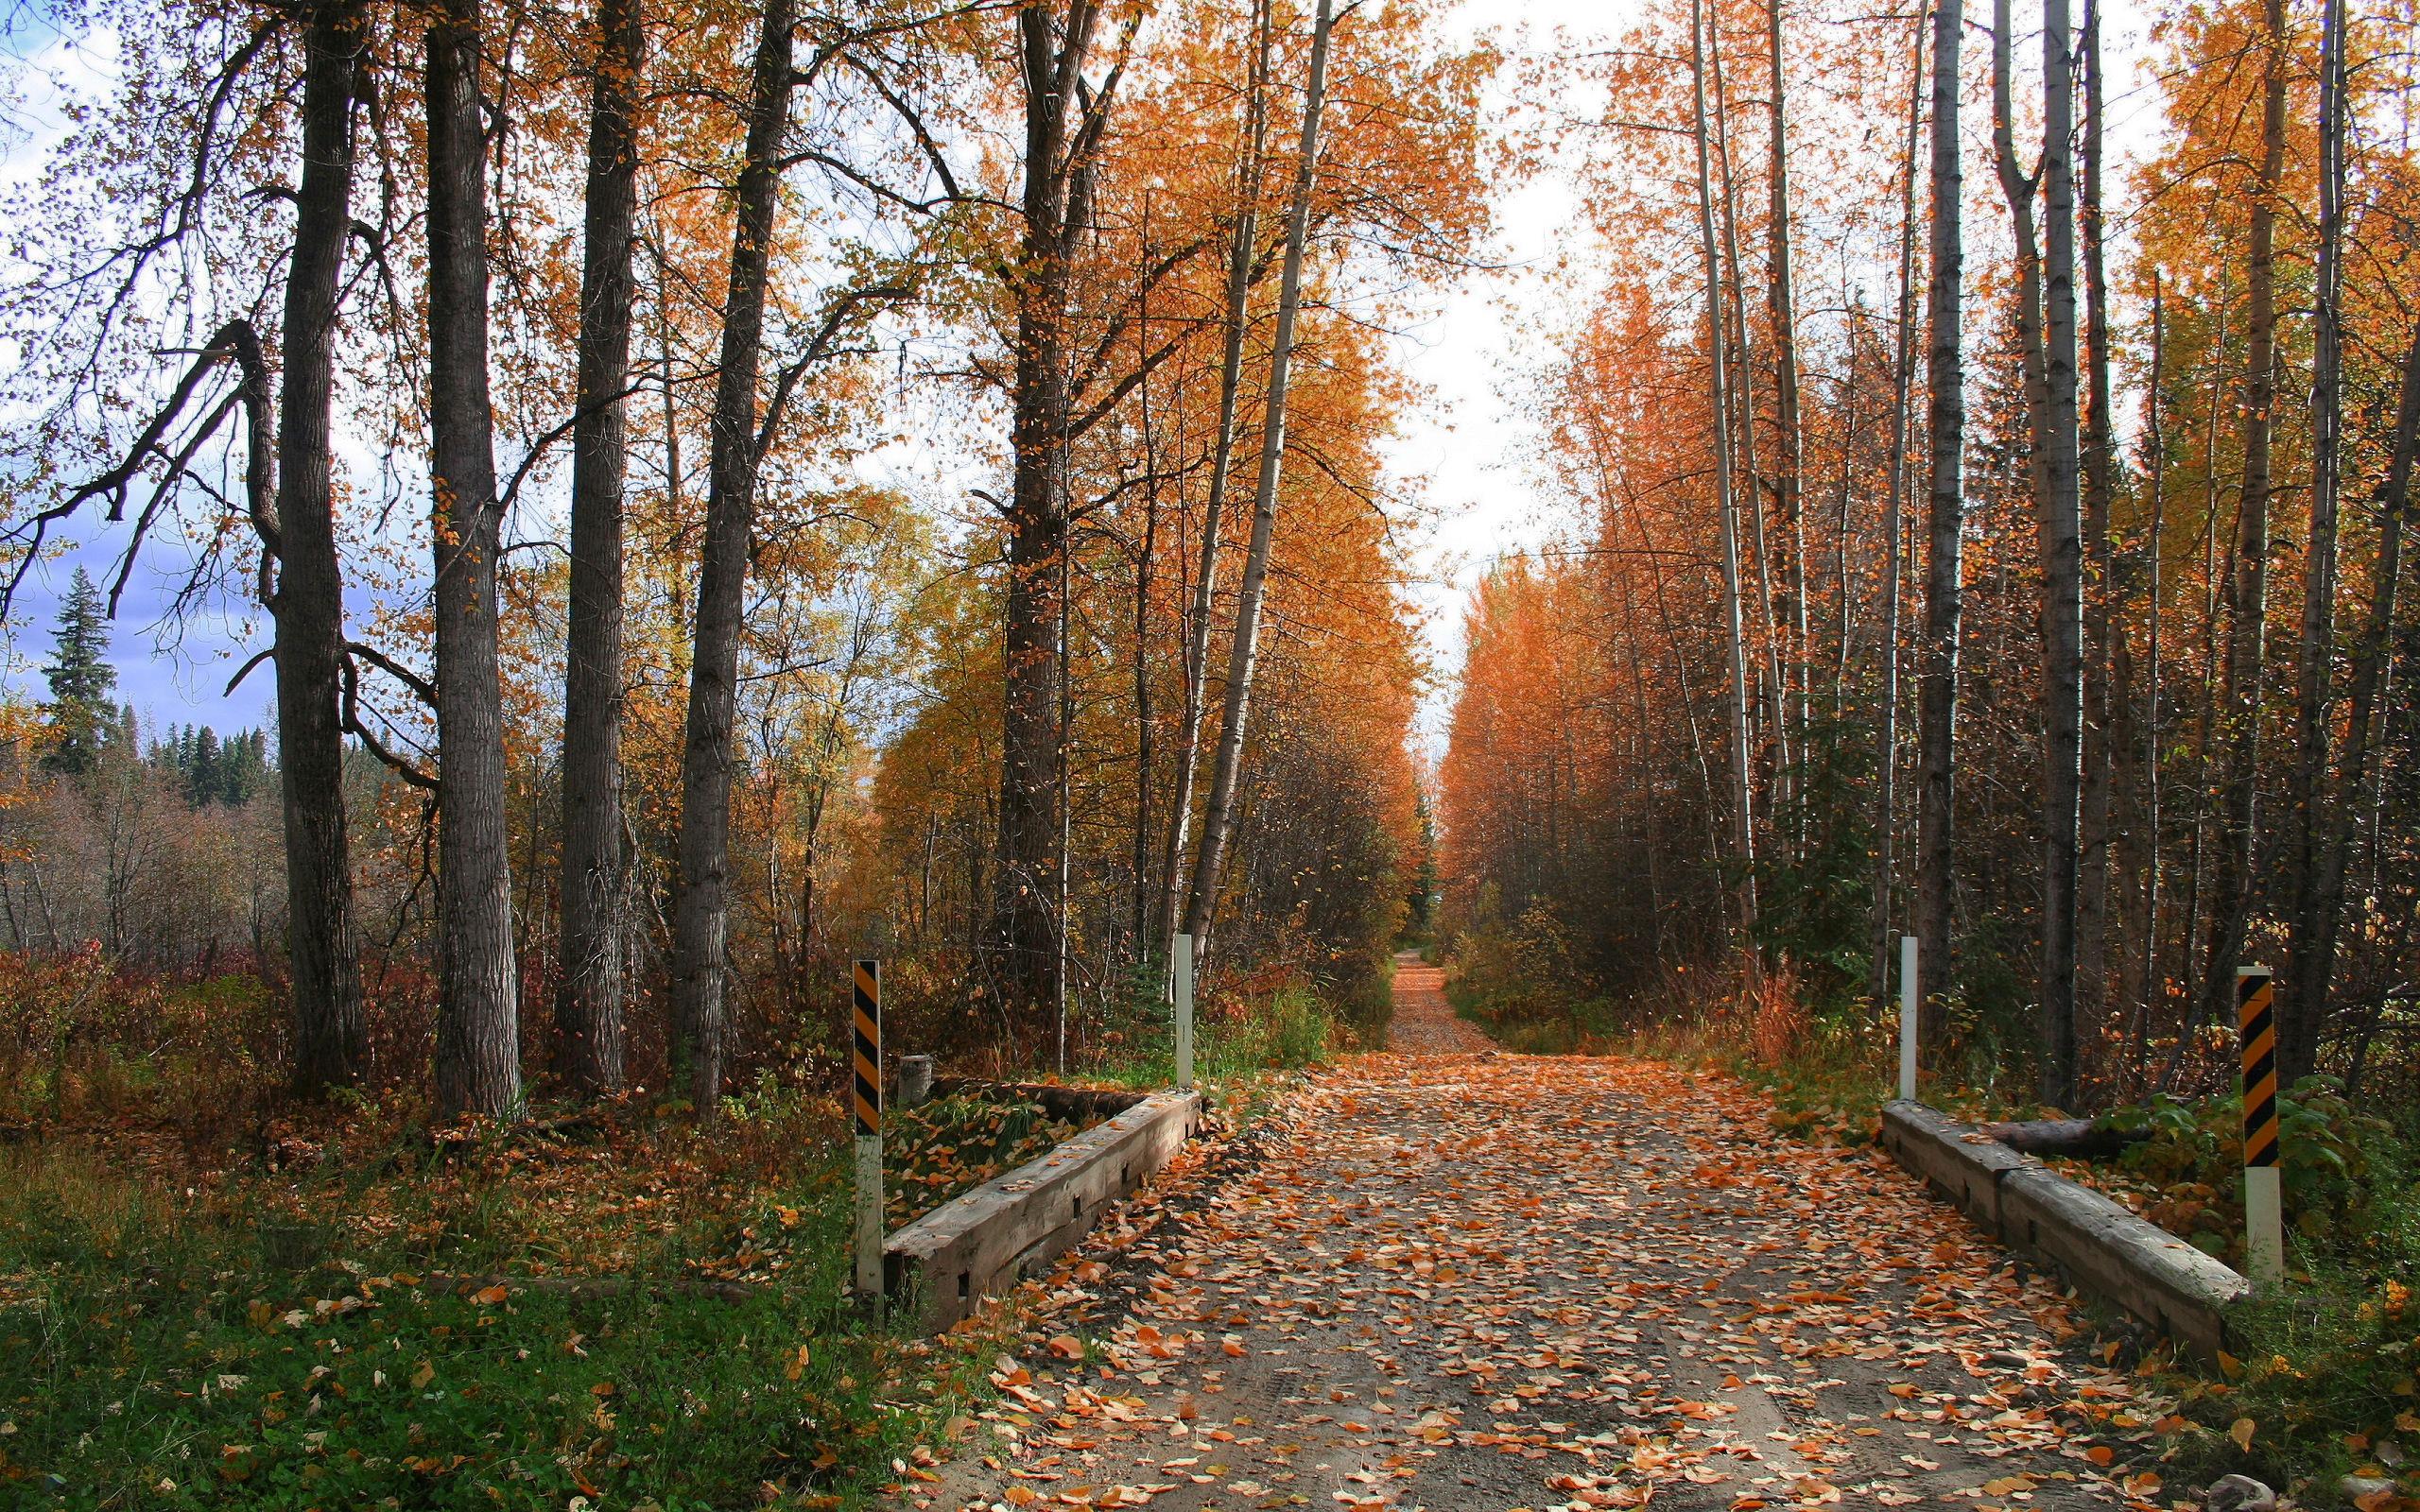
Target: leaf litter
1547 1284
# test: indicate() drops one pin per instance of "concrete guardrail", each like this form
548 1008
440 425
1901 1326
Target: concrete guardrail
2096 1243
984 1243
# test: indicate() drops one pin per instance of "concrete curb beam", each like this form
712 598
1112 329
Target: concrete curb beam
2096 1243
984 1243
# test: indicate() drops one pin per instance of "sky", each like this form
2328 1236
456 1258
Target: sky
1466 444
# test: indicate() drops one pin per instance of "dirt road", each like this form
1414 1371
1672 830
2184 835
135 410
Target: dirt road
1489 1282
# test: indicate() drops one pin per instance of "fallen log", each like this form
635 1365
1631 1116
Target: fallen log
2074 1138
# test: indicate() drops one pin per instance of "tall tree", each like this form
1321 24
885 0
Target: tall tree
1243 247
1717 402
1219 817
588 1002
323 964
2061 567
1894 565
2303 1014
1066 116
2237 837
478 1037
2109 753
1946 524
1782 302
700 908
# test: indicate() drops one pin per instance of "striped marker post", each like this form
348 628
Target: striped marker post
868 996
1184 1012
2264 1217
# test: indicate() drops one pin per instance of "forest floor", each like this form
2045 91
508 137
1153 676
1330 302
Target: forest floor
1445 1277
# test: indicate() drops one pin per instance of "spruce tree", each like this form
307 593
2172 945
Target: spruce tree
81 679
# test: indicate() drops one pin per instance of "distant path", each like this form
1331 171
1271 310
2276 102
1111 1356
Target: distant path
1455 1283
1424 1023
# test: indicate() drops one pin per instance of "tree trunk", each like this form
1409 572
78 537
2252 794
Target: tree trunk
700 912
1946 522
588 1002
479 1037
2062 569
331 1048
1242 250
1718 401
2247 596
2140 966
2370 664
1902 377
2303 1009
1218 818
2108 750
1790 466
1060 138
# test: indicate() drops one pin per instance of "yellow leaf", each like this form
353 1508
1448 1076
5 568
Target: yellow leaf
2407 1423
422 1376
2007 1485
2229 1364
2241 1433
797 1367
490 1296
1067 1348
1234 1350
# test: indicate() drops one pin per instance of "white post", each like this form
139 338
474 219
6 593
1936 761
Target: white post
1184 1013
1908 1018
869 1245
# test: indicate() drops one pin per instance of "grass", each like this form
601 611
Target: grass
149 1355
229 1301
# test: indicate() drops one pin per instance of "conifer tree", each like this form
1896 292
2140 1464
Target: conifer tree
81 679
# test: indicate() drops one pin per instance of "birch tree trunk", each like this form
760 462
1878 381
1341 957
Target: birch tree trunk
331 1048
588 1002
1719 401
1902 377
479 1035
1242 248
1944 526
701 910
1218 818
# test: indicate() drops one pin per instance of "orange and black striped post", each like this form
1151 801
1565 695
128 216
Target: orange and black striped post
867 995
2264 1227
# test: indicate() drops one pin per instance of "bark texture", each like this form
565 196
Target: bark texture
588 1001
2303 1009
1945 520
2061 535
331 1047
478 1037
701 915
2237 722
1061 140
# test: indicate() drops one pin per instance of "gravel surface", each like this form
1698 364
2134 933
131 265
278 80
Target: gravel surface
1494 1282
